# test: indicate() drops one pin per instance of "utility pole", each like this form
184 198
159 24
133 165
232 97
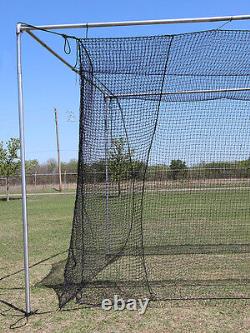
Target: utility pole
58 151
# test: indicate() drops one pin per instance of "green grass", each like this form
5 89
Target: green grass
215 217
171 218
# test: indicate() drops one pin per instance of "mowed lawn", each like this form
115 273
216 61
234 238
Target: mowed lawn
171 218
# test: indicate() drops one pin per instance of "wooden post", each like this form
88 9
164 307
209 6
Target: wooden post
58 151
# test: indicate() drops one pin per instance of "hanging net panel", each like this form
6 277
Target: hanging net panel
162 206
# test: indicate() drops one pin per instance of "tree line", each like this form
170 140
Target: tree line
121 165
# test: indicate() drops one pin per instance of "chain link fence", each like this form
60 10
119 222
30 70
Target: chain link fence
165 178
39 182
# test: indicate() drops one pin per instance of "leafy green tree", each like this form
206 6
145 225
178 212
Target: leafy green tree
119 161
72 165
9 160
31 166
213 170
158 172
138 168
97 171
178 169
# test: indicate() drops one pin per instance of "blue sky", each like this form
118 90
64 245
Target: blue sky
49 84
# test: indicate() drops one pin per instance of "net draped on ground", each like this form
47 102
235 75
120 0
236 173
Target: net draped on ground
140 227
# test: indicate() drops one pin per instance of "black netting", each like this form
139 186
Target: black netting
162 204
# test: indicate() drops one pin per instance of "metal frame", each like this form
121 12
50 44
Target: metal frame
133 23
52 52
178 92
20 28
23 174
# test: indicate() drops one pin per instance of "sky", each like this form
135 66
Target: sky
48 84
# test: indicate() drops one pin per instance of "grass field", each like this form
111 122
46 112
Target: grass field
49 229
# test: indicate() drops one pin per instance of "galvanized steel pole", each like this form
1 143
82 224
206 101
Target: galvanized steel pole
134 23
24 193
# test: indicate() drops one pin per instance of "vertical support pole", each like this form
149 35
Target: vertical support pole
65 179
6 188
106 138
35 179
24 194
58 151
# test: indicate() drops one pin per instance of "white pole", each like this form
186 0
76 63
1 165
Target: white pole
59 166
106 138
24 194
133 23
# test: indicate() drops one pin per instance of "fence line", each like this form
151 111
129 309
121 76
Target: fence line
156 173
158 177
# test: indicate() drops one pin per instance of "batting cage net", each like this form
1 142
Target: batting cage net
163 192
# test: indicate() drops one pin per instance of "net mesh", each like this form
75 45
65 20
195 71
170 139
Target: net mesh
165 128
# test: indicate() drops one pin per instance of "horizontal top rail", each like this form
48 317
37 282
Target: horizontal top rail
177 92
25 27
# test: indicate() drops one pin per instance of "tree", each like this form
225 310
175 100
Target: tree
178 169
72 165
97 171
157 172
52 165
215 170
9 160
31 166
119 161
138 168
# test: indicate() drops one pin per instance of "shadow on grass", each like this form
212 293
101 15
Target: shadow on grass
19 312
10 198
92 293
31 266
23 316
